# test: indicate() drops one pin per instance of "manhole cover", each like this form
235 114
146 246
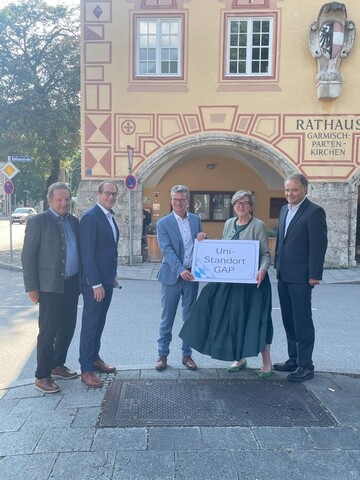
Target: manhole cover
212 402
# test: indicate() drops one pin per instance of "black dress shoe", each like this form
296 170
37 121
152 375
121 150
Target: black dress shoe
288 366
301 374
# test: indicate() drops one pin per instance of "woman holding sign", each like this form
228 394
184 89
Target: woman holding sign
232 321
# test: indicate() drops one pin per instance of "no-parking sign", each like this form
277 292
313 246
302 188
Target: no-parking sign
130 182
9 187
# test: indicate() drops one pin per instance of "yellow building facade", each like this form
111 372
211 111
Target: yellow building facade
221 95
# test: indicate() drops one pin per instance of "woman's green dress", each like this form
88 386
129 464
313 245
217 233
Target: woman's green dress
230 321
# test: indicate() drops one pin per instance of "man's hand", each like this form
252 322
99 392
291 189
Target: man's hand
201 236
99 293
313 282
187 276
34 296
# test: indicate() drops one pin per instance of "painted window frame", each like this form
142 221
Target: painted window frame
250 47
159 21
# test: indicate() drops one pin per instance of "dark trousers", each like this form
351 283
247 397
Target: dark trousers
295 303
93 322
57 320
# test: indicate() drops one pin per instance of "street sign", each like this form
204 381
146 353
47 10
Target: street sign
130 182
20 158
9 187
9 170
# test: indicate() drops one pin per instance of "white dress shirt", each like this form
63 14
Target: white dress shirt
185 230
291 214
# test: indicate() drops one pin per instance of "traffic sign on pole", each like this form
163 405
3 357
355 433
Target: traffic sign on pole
9 170
9 187
130 182
21 158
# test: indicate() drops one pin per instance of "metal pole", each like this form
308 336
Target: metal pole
130 152
130 228
8 199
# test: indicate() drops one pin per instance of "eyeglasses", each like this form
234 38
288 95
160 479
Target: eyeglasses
242 204
179 200
110 194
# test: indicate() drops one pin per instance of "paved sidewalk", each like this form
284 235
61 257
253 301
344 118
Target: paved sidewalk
56 436
148 271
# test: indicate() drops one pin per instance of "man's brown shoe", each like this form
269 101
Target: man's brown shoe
189 363
91 380
46 385
63 372
103 367
161 363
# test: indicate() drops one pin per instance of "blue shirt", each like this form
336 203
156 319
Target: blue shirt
72 255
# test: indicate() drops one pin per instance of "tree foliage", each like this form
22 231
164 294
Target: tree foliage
39 87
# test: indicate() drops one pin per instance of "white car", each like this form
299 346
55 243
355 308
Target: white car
22 214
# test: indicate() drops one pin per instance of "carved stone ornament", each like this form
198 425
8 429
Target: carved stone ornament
331 38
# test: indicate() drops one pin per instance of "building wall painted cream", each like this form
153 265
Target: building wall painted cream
257 122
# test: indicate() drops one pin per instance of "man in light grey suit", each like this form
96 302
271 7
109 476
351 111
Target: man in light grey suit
176 234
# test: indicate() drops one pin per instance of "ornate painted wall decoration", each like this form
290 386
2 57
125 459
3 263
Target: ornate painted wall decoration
331 38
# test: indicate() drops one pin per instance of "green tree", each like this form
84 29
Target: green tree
39 88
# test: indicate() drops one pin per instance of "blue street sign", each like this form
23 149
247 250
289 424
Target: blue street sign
9 187
130 182
19 158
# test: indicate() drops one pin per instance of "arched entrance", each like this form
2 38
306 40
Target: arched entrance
239 162
213 166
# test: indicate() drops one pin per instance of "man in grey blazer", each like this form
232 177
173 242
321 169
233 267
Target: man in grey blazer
176 234
50 262
299 258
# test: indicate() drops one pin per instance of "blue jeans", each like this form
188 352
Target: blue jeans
170 297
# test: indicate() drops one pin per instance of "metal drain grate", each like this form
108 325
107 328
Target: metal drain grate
220 402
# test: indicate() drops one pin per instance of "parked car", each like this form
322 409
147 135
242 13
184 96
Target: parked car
22 214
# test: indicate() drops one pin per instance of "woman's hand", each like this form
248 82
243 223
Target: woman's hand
201 236
260 277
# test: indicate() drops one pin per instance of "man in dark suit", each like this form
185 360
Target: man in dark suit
50 262
176 234
99 236
299 259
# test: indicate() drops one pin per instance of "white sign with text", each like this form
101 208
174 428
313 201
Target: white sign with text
228 261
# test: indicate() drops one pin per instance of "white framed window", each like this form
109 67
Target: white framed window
250 46
158 47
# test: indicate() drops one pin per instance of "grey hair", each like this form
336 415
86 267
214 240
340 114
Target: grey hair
57 186
101 186
299 177
243 193
180 189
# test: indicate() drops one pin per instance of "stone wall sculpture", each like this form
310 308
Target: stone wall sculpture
331 38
